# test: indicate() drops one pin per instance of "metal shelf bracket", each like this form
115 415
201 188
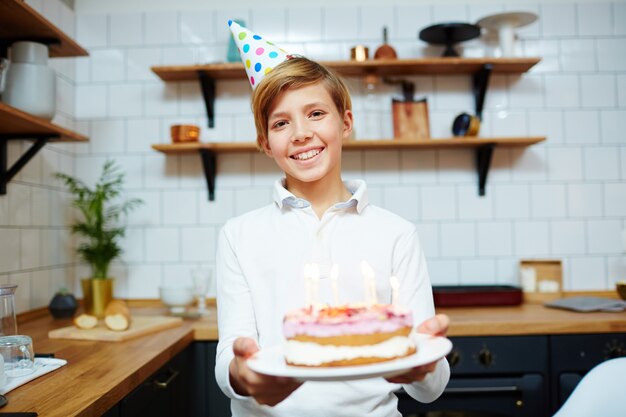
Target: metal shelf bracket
480 80
209 163
483 161
6 173
207 85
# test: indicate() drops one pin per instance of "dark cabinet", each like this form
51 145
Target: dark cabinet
209 399
166 393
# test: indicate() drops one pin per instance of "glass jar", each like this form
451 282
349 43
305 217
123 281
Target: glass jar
8 323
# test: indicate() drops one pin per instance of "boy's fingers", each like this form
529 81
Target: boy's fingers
244 347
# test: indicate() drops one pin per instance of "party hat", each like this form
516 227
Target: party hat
258 55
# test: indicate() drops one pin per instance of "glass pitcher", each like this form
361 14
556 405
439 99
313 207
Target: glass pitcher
8 323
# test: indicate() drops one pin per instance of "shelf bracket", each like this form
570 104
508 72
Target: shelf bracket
479 88
207 85
483 161
6 173
209 163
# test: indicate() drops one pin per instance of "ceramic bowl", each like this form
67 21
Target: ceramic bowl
176 298
620 286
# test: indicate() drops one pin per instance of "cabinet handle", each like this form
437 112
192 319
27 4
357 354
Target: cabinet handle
164 384
481 390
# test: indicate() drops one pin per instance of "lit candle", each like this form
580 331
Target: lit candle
369 282
307 284
315 283
334 275
395 288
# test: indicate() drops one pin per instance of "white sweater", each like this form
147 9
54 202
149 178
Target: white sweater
260 261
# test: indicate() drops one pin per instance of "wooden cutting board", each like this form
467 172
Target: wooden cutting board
139 326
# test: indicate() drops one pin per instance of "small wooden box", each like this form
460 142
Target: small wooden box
410 120
548 276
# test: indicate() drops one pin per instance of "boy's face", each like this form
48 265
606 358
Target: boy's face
305 132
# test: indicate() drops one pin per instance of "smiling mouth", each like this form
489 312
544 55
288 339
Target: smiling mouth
307 155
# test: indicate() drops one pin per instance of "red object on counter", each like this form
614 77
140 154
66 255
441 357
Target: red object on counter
476 295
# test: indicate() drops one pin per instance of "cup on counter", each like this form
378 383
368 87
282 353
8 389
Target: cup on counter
359 53
18 355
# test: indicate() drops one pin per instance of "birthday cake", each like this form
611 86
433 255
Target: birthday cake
347 335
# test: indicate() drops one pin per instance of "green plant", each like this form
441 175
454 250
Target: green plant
100 209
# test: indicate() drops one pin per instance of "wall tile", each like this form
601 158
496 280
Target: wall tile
149 213
198 244
509 123
304 24
529 164
381 167
547 123
438 202
568 237
373 19
473 206
594 19
418 167
547 201
218 211
143 281
586 273
582 126
458 240
531 238
9 250
565 164
126 29
456 166
619 18
19 205
444 272
403 201
141 134
91 101
452 93
429 238
525 91
161 171
199 27
126 100
139 61
562 91
180 207
410 19
161 28
271 24
92 30
558 19
23 291
251 199
604 237
584 200
611 55
340 22
616 270
511 201
449 13
621 90
611 122
163 244
107 136
602 163
477 271
614 201
160 99
495 239
597 90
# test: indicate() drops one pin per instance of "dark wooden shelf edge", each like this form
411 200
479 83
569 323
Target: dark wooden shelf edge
483 151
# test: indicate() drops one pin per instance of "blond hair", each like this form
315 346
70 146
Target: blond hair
294 73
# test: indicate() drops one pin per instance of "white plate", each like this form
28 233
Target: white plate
270 361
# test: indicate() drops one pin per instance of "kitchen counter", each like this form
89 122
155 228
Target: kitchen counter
100 374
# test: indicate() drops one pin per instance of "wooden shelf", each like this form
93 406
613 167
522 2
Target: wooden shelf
383 144
483 149
418 66
20 22
17 124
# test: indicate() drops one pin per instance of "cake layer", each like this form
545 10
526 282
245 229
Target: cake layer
312 354
346 320
353 339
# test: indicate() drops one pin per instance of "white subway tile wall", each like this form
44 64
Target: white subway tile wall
563 199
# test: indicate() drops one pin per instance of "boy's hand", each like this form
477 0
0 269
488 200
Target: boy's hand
265 389
436 326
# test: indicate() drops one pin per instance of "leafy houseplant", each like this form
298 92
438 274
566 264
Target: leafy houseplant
101 209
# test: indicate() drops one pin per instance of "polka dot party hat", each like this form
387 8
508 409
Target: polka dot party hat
259 56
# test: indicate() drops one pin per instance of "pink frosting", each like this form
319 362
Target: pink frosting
346 320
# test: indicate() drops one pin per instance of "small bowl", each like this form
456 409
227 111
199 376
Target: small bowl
176 298
184 133
620 286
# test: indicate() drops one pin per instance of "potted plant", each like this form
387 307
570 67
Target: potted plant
99 230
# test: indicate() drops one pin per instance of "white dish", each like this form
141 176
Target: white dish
270 361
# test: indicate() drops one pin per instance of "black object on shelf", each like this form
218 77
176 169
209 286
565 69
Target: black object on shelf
449 34
63 305
476 295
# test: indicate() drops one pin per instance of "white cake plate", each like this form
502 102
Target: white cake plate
504 24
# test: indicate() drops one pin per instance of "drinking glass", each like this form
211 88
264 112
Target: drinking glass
202 277
17 352
8 323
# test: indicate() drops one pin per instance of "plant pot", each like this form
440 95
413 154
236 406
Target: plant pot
97 293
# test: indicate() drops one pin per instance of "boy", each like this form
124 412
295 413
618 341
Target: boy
302 114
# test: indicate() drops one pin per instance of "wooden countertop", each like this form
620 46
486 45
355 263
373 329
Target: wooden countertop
99 374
